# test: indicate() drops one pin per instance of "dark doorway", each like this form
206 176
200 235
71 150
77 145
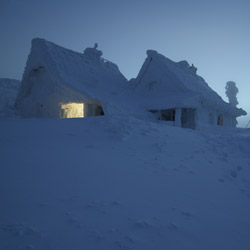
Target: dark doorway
188 118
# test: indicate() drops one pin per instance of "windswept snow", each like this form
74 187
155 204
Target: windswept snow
121 183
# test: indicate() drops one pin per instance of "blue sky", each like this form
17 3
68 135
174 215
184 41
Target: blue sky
213 35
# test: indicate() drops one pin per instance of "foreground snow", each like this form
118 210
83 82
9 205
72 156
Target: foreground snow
121 183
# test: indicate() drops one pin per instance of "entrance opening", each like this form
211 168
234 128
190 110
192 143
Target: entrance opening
188 118
220 120
72 110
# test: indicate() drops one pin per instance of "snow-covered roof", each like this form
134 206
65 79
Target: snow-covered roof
179 81
85 73
160 84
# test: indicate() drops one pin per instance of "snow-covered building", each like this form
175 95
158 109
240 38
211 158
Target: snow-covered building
61 83
173 92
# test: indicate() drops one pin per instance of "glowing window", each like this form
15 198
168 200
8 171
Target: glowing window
72 110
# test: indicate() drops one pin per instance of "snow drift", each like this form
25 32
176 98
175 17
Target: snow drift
116 182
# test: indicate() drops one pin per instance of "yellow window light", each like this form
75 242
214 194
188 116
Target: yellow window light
72 110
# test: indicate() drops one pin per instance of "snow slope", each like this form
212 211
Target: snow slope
116 182
8 93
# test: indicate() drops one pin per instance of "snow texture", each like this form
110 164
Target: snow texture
8 93
116 182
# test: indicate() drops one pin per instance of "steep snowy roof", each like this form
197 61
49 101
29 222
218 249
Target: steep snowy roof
160 75
160 84
86 73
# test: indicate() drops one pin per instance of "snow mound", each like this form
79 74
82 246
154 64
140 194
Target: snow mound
116 182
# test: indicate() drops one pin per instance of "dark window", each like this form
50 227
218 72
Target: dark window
220 120
164 114
99 111
168 115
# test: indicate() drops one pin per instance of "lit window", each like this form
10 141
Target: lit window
72 110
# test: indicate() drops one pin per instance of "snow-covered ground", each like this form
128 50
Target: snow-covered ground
111 183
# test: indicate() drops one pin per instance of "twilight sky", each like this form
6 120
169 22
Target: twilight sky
214 35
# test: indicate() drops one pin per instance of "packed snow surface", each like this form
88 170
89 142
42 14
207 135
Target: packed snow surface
116 183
